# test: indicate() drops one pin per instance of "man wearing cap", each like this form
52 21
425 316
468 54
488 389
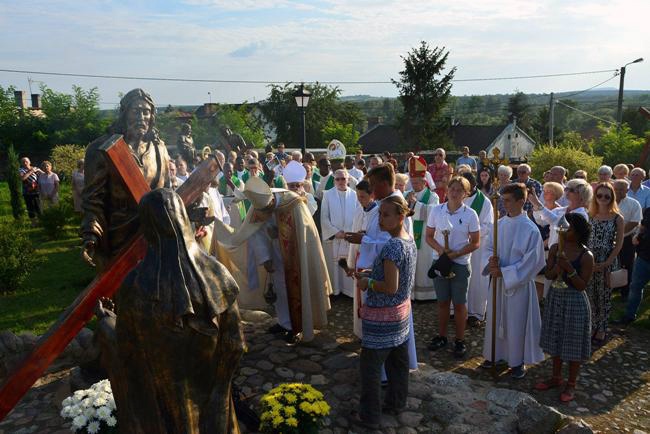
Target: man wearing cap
421 200
336 156
295 175
282 236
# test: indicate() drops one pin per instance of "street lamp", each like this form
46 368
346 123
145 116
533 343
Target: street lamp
302 99
619 113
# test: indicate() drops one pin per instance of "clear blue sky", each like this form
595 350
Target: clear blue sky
322 40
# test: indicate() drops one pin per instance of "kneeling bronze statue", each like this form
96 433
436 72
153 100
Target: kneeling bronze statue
173 340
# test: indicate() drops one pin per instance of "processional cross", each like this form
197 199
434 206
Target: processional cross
52 344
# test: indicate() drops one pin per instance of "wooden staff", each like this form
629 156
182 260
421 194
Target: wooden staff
494 163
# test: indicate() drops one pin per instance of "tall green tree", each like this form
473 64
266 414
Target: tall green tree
618 146
519 107
343 132
15 184
424 90
324 105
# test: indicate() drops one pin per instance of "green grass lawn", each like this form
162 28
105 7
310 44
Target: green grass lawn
53 284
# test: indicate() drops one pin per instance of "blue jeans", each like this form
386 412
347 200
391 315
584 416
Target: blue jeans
640 276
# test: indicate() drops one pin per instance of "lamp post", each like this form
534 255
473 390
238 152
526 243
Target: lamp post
619 113
302 99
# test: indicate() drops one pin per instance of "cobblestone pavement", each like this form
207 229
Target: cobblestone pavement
613 391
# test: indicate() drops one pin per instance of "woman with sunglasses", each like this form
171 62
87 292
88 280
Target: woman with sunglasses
606 241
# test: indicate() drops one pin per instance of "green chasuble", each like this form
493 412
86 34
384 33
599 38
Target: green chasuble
330 183
315 176
223 189
418 225
477 203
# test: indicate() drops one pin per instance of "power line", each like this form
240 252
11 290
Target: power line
585 113
592 87
197 80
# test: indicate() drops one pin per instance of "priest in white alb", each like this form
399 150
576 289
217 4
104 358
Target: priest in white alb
338 208
421 199
477 292
519 258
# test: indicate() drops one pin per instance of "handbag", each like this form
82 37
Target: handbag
441 267
617 278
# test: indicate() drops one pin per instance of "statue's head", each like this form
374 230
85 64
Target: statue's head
226 130
137 112
186 129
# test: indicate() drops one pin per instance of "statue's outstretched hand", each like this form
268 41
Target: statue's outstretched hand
105 308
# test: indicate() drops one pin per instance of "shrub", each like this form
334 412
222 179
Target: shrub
571 158
54 218
618 146
16 257
15 184
64 159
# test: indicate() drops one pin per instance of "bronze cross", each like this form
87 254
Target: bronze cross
52 344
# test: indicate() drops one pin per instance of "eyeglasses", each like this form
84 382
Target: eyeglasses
579 177
438 155
340 179
292 185
603 196
570 190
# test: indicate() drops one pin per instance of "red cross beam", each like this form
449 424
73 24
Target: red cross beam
52 344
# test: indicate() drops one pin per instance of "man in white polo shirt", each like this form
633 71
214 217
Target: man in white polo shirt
632 214
463 225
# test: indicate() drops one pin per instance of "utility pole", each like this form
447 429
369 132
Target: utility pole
551 120
619 112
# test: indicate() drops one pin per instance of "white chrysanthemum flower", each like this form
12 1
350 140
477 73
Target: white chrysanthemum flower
89 412
88 402
68 401
111 421
65 411
76 410
79 394
103 413
93 427
111 403
80 421
99 401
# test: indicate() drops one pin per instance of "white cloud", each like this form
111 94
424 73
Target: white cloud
324 40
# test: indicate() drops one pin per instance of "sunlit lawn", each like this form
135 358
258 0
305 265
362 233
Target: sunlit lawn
53 284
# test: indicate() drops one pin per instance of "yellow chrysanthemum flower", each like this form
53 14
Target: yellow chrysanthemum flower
290 410
277 421
292 421
290 398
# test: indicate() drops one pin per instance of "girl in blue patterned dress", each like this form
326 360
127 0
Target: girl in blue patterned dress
385 317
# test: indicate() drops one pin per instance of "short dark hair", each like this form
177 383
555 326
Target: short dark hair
516 189
580 226
383 172
364 185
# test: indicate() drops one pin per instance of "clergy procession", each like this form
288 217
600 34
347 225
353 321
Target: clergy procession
535 269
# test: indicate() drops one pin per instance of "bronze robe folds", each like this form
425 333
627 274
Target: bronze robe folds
177 339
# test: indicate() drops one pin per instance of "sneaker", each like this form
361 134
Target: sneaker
293 338
472 321
487 364
518 372
459 348
437 343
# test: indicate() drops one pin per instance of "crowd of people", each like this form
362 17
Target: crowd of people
294 229
394 232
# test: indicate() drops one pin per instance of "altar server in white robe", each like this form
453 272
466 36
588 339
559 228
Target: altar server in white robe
382 184
421 199
479 283
519 258
337 213
368 207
